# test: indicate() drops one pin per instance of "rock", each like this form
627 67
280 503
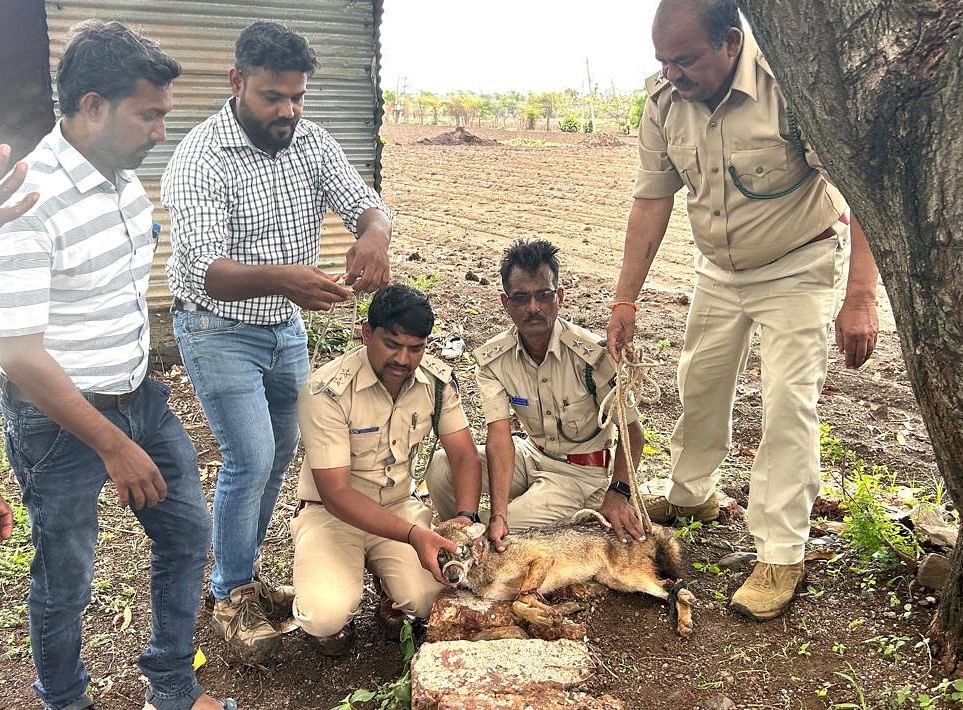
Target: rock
483 281
510 673
737 561
933 570
729 509
460 614
471 276
939 535
547 699
719 702
414 256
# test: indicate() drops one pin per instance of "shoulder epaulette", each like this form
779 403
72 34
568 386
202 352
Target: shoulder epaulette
334 377
656 83
496 347
436 368
584 345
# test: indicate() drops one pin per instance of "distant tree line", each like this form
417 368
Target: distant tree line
566 110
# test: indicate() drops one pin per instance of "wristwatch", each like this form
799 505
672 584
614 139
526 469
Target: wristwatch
470 514
620 487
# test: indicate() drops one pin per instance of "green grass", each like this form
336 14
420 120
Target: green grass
16 554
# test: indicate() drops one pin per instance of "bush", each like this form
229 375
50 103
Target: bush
571 124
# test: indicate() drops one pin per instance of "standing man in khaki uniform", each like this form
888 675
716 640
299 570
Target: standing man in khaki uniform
363 418
553 374
773 252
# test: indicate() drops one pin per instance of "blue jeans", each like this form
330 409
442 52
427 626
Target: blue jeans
61 479
247 378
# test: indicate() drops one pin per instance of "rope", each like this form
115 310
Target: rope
631 379
328 320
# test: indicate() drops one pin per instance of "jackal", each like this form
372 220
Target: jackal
541 560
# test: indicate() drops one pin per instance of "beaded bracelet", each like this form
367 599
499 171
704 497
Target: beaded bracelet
630 304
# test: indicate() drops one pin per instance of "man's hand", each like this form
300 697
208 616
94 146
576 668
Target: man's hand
135 475
366 263
498 531
10 186
857 326
312 289
6 520
427 543
620 331
618 510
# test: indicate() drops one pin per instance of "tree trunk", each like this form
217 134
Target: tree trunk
877 88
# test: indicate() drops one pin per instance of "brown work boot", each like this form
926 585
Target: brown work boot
769 590
335 645
663 512
241 621
390 619
277 601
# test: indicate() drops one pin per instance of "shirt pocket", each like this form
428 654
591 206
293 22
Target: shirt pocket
365 443
579 418
685 158
767 170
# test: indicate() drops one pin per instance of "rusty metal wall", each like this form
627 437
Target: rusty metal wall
343 95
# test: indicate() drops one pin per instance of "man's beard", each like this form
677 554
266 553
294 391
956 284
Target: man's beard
260 135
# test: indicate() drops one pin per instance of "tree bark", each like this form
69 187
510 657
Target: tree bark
877 87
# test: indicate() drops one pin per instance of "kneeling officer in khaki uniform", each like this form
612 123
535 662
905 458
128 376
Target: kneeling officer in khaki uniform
363 418
553 374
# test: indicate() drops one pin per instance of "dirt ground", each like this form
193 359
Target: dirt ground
857 635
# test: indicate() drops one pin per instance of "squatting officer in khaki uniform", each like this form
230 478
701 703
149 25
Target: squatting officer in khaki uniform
553 374
363 418
773 251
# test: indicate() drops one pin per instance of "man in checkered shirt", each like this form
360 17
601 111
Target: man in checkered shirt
247 191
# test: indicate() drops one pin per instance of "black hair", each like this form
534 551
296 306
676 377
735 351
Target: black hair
717 16
273 46
109 59
398 307
529 256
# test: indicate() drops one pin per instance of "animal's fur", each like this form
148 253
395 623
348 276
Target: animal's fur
541 560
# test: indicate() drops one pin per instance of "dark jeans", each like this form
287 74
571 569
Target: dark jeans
61 479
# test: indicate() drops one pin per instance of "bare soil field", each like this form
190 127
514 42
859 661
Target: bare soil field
855 638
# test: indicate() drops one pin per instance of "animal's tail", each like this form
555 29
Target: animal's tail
668 559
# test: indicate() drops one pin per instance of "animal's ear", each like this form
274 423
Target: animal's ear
475 530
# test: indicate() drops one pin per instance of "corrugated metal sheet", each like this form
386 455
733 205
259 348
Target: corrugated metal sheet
342 96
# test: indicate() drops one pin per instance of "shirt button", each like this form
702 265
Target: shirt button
716 212
544 379
387 469
548 414
394 441
759 170
712 124
551 438
715 170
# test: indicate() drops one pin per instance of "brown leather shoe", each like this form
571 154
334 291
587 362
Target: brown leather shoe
769 590
240 620
663 512
335 645
390 619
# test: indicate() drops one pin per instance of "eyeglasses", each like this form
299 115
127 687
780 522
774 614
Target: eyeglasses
523 299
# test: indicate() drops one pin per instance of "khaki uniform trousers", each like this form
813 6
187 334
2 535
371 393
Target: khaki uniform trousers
791 303
543 490
330 558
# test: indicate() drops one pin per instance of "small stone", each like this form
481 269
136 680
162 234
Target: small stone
719 702
932 571
415 256
483 281
471 276
737 561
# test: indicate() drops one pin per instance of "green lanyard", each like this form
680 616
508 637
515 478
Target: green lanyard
796 139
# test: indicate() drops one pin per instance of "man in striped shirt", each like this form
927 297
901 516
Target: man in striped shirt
7 214
247 191
77 405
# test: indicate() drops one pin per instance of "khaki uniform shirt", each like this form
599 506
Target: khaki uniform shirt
550 396
682 143
351 420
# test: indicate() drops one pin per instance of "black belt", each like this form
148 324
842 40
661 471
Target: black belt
99 400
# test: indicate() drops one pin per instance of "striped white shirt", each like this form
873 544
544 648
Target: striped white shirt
76 268
228 199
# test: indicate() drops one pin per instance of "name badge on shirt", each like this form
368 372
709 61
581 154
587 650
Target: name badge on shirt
365 430
518 401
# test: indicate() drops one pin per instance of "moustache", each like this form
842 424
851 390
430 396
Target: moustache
286 122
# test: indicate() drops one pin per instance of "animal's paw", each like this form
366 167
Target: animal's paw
535 612
684 602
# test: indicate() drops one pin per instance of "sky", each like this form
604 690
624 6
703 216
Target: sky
522 45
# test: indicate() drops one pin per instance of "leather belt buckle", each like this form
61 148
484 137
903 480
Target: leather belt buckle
599 459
